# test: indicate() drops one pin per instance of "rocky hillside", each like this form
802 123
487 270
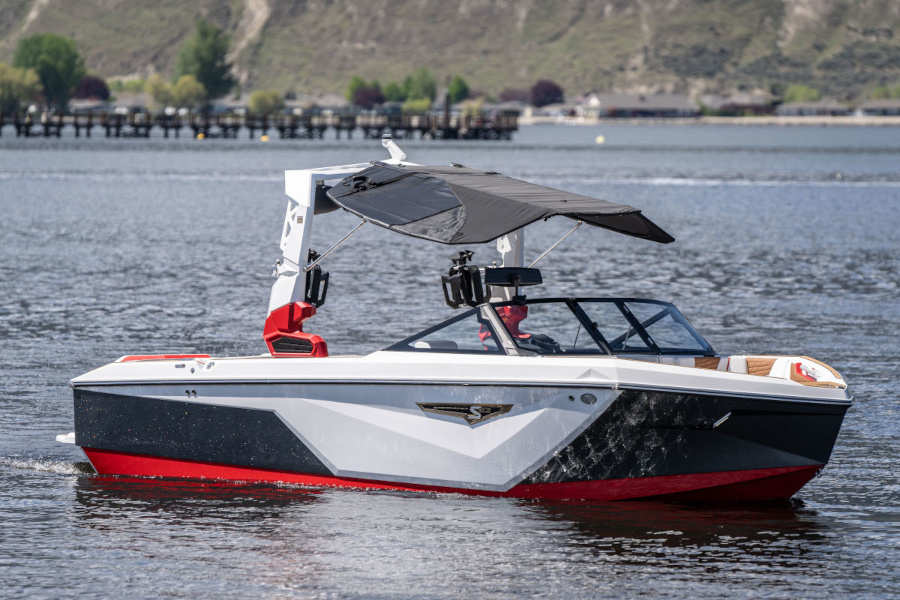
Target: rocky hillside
842 47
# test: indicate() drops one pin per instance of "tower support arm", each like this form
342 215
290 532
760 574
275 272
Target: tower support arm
300 187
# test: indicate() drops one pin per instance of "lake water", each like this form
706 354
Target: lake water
788 242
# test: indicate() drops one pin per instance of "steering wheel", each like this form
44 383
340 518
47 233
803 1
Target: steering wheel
545 343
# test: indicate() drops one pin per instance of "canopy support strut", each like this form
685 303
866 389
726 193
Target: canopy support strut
311 265
547 251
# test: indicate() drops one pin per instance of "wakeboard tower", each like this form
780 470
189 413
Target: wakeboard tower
562 398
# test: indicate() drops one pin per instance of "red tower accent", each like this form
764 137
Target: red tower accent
285 336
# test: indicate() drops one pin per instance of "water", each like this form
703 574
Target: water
788 243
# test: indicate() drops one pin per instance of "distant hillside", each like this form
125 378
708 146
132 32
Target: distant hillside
842 47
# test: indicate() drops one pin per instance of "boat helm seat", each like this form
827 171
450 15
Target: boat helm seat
713 363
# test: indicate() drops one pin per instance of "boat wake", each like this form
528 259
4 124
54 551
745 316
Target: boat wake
59 467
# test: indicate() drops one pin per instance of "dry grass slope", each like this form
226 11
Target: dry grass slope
843 47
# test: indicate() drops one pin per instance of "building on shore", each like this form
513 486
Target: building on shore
507 107
819 108
879 108
607 106
738 105
559 110
88 105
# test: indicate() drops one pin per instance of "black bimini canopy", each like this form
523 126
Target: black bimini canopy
459 205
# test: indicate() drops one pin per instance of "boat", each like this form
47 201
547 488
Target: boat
516 395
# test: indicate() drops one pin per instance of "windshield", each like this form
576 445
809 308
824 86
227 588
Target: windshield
665 327
601 325
548 328
579 326
467 333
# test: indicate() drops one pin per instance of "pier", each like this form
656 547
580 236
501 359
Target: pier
232 125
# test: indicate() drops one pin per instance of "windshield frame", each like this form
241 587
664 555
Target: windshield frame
574 305
487 314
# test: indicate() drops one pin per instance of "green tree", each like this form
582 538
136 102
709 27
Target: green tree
458 90
203 57
127 85
421 85
356 82
406 86
880 93
265 102
418 105
17 86
473 108
393 93
56 61
188 92
801 93
159 90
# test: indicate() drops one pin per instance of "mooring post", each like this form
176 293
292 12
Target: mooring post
447 109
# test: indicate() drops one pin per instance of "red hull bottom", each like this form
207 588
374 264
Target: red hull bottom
752 484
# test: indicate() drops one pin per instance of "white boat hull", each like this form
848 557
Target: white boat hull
562 427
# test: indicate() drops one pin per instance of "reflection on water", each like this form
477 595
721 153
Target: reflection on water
107 496
446 545
787 243
696 535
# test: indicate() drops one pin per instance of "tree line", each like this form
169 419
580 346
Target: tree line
419 90
48 67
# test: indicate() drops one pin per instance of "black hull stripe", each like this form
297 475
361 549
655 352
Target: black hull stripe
191 431
646 434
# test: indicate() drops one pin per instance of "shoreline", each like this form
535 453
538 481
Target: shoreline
765 121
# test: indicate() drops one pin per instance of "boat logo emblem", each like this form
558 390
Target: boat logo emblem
470 413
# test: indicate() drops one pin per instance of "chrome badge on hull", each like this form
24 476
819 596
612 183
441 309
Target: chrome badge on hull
470 413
